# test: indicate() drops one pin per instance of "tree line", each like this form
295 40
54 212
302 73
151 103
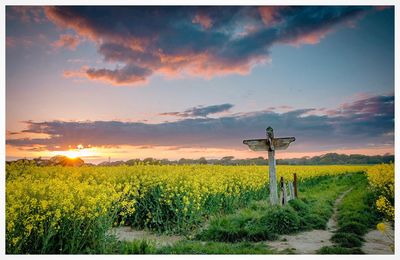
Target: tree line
326 159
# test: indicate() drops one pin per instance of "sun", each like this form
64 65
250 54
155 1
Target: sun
80 152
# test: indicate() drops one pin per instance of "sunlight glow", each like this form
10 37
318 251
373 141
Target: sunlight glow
80 152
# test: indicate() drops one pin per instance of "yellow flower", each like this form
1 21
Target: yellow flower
381 227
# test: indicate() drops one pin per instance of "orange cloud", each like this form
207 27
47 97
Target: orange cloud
269 14
158 40
203 19
66 41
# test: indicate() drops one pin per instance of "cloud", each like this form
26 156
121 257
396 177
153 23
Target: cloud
26 14
195 41
10 42
353 125
66 41
200 111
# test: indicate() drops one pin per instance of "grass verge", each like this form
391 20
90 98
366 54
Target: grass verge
199 247
355 217
260 222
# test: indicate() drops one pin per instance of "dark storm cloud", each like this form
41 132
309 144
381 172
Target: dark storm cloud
354 125
200 111
200 41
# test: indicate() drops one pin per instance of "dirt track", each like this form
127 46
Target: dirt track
310 241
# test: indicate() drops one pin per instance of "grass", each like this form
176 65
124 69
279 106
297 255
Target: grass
355 217
259 221
131 247
338 250
199 247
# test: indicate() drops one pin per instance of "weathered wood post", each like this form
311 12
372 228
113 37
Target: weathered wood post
295 184
291 191
272 167
281 195
270 144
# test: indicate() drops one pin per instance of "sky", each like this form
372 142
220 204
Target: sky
173 82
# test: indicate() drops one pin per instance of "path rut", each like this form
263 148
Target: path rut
310 241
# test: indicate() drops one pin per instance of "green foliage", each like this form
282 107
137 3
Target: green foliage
300 206
356 215
131 247
75 236
348 240
353 227
337 250
198 247
312 221
281 220
260 221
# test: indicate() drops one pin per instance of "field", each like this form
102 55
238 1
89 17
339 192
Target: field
72 210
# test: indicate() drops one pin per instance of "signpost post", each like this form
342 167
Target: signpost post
270 144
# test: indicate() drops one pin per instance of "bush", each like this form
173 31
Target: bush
281 220
313 221
300 206
337 250
258 232
348 240
353 227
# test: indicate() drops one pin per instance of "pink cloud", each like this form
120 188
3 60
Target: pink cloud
26 14
203 19
166 41
269 14
310 38
66 41
10 42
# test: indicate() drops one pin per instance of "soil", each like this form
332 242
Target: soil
310 241
377 243
129 234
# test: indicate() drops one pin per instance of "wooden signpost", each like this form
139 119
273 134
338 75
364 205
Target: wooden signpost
271 144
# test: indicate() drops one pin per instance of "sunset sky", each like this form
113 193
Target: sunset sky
173 82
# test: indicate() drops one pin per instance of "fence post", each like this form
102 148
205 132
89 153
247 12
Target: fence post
291 191
281 192
295 184
285 198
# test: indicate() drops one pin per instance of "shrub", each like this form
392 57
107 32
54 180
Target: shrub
347 240
337 250
313 221
281 220
256 231
353 227
300 206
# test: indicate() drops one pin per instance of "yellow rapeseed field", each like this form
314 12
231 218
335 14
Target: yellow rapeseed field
381 178
45 206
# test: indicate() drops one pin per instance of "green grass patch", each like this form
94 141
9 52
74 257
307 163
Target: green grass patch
199 247
347 240
338 250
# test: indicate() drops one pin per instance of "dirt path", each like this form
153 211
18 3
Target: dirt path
310 241
129 234
377 243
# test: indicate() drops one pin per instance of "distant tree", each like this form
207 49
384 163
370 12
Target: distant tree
133 162
202 160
